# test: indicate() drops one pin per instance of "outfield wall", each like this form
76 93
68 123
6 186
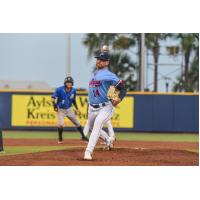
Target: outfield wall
148 112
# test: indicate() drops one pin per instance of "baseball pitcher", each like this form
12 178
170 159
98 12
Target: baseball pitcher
111 132
106 90
62 100
87 127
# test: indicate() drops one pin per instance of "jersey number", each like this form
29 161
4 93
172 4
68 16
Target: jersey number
96 93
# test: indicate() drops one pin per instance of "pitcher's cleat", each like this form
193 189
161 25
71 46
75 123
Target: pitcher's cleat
60 142
87 156
109 145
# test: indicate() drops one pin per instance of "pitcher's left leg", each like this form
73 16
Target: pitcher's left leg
110 129
104 136
111 132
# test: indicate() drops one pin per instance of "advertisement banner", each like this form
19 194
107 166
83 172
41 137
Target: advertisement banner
37 110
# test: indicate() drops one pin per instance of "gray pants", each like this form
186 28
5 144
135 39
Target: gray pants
69 113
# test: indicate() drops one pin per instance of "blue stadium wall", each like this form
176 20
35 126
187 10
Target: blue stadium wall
153 112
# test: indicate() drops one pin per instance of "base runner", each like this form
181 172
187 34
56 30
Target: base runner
66 96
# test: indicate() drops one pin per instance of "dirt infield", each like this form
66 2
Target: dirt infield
125 153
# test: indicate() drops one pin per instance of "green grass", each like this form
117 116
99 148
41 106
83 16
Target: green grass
13 150
159 137
37 134
120 136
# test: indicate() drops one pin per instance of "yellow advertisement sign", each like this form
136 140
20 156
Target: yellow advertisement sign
37 110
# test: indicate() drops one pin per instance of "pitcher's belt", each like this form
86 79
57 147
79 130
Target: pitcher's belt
99 105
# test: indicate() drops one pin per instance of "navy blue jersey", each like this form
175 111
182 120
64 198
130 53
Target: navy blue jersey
99 85
64 98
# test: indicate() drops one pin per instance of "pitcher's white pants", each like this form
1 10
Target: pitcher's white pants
111 132
110 129
97 117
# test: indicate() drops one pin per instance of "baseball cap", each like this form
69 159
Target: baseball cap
103 56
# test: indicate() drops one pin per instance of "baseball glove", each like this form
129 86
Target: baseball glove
113 94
